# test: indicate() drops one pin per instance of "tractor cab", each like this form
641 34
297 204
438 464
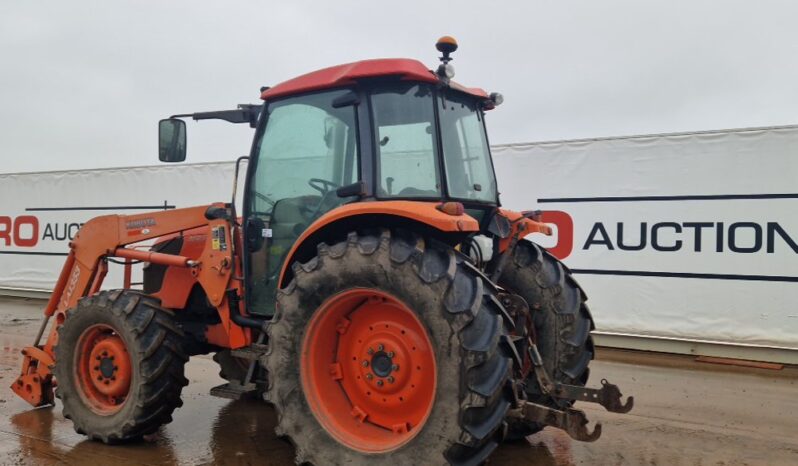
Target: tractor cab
374 130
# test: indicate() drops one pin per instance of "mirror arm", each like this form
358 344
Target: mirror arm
246 113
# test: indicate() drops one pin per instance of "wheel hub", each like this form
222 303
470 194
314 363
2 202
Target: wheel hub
107 367
381 363
369 372
103 370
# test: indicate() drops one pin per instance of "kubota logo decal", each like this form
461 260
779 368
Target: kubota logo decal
140 223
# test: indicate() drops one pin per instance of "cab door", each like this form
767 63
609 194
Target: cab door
306 150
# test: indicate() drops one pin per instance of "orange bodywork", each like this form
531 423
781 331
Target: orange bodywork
181 280
85 269
423 212
520 227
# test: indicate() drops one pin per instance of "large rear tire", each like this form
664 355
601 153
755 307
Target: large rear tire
119 366
379 296
562 324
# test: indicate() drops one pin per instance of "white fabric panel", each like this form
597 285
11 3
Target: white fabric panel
82 194
746 293
725 296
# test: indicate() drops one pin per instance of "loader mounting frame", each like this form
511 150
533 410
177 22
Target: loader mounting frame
87 264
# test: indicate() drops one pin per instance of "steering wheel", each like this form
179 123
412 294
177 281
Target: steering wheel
322 186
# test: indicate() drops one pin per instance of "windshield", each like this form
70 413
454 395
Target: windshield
407 145
469 171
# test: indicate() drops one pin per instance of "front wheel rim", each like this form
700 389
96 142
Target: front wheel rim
368 370
102 370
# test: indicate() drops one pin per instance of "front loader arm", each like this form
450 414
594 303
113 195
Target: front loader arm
85 268
101 236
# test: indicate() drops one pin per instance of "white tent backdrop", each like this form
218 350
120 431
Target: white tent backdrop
41 212
684 237
688 236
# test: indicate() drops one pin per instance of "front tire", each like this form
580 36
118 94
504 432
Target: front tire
409 297
119 366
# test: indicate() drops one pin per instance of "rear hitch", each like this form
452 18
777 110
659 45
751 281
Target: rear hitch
572 421
609 395
528 360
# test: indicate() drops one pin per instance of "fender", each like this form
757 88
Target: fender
424 212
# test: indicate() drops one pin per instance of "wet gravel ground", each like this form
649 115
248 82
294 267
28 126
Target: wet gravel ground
686 413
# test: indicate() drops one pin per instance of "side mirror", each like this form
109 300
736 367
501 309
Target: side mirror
171 140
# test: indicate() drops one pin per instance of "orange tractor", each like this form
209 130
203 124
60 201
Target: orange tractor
372 290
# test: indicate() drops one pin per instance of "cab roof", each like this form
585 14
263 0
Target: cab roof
350 73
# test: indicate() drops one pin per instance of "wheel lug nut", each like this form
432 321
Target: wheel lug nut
380 383
391 379
111 358
391 354
98 358
99 377
113 378
395 367
96 368
365 364
380 347
370 351
369 376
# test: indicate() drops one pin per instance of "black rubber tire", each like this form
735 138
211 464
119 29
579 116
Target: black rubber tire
459 310
153 342
562 324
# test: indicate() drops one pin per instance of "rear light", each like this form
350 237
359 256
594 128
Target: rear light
451 208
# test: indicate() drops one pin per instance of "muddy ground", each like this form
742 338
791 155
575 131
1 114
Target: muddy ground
686 413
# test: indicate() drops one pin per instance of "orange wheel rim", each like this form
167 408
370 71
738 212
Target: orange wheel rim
102 369
368 370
